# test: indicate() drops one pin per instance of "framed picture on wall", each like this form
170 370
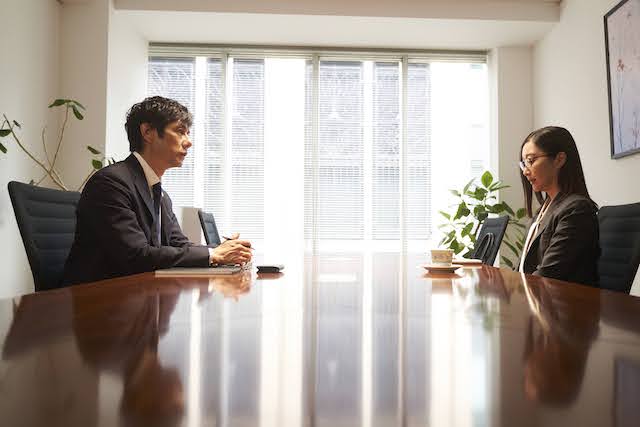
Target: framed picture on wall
622 42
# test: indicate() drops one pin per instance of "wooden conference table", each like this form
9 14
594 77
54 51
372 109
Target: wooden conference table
337 340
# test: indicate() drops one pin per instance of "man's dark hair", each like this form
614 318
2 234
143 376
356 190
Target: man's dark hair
158 112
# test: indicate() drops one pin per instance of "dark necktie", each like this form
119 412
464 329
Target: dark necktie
157 196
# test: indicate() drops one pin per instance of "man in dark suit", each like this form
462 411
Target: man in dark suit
125 222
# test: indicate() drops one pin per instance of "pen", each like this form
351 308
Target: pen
229 238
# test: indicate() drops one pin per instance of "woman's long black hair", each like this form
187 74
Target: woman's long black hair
553 140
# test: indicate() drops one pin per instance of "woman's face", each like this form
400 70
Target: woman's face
541 169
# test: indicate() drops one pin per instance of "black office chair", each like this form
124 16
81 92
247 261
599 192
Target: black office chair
208 223
47 222
619 245
489 239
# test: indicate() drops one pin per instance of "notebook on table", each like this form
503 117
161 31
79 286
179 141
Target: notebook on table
199 271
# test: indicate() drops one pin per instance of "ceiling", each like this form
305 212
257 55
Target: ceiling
522 10
333 31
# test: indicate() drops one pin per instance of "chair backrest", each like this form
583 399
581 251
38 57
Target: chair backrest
208 223
619 245
47 222
489 239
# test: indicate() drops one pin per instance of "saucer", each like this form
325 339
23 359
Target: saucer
441 268
468 261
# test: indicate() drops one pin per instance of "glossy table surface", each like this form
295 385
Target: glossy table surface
337 340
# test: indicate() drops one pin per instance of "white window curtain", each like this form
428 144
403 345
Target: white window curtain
327 132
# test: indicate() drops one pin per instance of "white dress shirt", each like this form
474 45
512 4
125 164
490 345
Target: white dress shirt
153 179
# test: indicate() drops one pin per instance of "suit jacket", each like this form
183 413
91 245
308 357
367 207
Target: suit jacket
566 246
114 234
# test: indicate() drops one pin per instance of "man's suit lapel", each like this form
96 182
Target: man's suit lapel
140 182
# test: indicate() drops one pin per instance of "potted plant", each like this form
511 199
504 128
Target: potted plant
475 203
9 131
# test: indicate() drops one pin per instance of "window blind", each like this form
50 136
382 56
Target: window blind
386 150
247 148
175 78
351 158
340 186
214 149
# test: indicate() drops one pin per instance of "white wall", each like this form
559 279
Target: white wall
126 81
83 77
570 90
512 114
29 76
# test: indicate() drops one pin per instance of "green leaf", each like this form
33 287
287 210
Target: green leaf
486 179
77 103
462 211
495 185
479 209
513 248
93 150
4 132
499 187
97 164
482 216
479 194
467 229
456 193
444 214
507 261
508 208
466 187
77 113
521 213
57 103
497 208
3 148
17 124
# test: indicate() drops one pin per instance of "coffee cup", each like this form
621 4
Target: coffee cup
441 257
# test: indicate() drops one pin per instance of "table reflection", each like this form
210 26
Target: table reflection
338 339
120 336
558 338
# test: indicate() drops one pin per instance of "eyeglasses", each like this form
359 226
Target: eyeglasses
529 161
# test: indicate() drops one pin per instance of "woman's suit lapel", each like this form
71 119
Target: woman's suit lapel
546 220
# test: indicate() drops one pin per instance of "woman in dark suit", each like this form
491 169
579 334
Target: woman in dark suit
562 242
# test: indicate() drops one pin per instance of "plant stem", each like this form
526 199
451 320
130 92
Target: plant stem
51 168
86 179
64 125
44 145
39 163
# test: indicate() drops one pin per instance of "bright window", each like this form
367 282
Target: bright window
314 146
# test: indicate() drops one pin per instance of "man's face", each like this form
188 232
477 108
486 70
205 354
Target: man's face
171 149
